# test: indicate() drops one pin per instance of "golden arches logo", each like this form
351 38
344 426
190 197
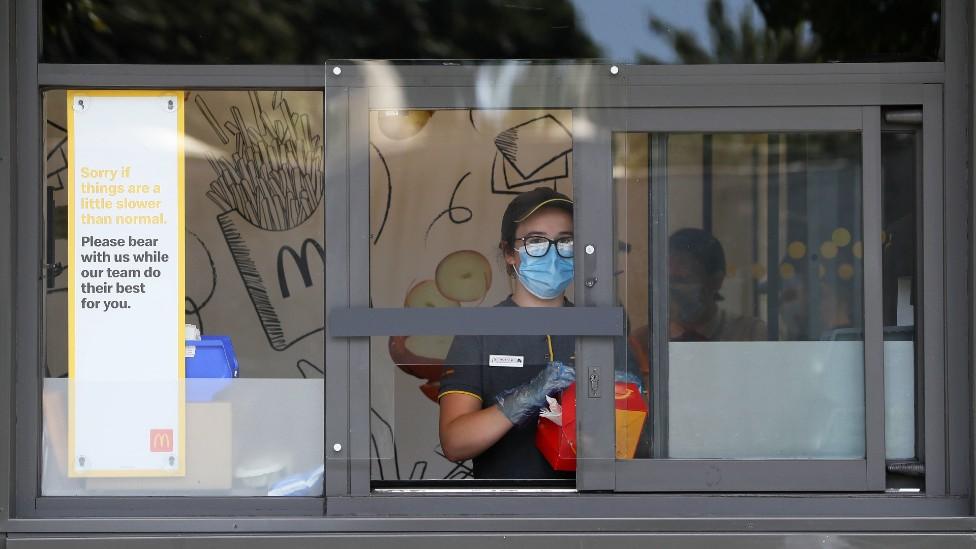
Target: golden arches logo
160 440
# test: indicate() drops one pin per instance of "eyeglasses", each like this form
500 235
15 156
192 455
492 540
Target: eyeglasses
538 246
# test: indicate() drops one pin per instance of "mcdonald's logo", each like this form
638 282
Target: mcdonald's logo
301 261
160 440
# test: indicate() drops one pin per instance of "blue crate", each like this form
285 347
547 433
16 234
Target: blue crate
212 367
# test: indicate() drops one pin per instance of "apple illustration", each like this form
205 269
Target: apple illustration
426 293
464 275
431 389
422 355
399 125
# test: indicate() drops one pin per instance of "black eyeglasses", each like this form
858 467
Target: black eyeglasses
538 246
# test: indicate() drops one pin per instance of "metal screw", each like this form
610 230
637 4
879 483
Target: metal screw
80 104
172 461
81 461
336 447
337 70
170 105
590 249
614 69
590 282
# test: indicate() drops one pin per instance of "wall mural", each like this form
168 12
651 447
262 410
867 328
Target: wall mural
270 194
255 227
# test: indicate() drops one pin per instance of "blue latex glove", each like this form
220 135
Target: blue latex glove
522 402
627 376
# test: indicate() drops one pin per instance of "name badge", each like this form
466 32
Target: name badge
506 361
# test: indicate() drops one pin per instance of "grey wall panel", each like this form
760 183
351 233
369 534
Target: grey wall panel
183 76
27 222
541 540
7 137
685 519
957 35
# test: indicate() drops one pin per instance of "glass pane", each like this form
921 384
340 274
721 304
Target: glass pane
901 172
764 317
410 377
638 31
441 183
254 274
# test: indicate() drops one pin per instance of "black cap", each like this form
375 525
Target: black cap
526 204
701 245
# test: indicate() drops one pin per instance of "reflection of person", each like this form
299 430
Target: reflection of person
490 401
696 263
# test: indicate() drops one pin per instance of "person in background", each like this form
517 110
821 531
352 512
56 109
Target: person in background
696 263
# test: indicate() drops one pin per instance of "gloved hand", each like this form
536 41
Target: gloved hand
627 376
520 403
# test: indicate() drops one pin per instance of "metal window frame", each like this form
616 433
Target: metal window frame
720 475
32 78
356 89
20 101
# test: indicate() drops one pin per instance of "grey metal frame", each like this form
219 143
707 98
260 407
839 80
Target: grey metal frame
956 136
27 251
867 84
366 321
931 330
763 475
7 265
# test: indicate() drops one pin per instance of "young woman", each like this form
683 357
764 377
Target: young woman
490 401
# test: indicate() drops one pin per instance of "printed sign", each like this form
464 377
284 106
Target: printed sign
126 286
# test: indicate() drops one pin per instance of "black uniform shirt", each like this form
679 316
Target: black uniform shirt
515 455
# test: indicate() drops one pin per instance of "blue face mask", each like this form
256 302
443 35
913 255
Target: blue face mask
545 277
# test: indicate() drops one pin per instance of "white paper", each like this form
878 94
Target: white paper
554 412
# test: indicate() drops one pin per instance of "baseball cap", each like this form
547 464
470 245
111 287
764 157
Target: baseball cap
526 204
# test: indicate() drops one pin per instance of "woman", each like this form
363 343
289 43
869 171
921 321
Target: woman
490 401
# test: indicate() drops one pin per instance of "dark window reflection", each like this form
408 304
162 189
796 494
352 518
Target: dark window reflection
642 31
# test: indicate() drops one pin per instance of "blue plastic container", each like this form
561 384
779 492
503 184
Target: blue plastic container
211 368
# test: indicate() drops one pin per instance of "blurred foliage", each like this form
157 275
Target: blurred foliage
863 30
810 31
308 31
313 31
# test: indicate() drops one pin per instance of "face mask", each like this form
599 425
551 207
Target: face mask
545 277
686 302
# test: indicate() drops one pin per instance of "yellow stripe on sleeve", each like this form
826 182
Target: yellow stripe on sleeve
459 393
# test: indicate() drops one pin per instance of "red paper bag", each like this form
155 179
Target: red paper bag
558 442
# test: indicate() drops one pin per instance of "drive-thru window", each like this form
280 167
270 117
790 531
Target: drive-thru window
248 289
